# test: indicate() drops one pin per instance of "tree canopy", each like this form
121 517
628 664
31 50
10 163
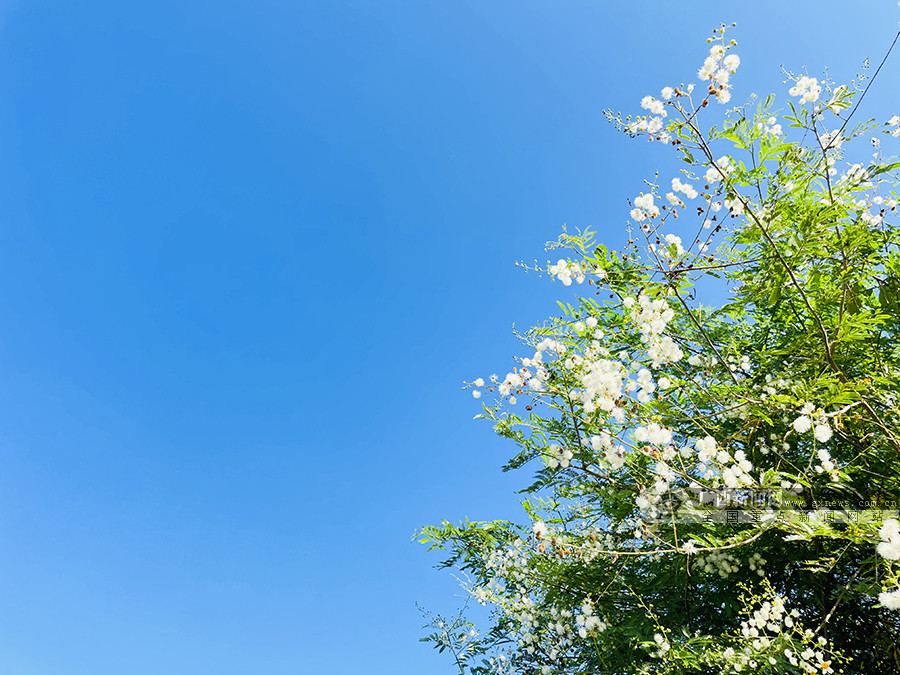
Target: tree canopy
712 421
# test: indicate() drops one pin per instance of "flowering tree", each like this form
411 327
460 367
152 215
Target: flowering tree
715 484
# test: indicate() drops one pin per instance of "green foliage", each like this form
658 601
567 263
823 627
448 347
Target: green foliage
653 417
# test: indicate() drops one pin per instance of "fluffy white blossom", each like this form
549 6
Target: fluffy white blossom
822 433
644 207
654 106
651 317
802 424
722 168
566 272
771 126
706 448
653 434
685 188
807 88
890 599
889 548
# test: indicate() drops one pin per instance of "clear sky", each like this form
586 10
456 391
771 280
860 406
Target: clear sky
249 251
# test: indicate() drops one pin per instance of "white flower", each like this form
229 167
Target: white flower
822 432
667 93
706 448
802 424
689 548
890 530
724 168
476 393
807 88
479 382
654 106
890 599
540 530
644 207
890 550
731 62
562 272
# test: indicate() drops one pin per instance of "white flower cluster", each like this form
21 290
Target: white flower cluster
770 126
510 384
735 469
854 174
770 635
706 448
566 272
651 317
612 455
769 622
768 617
554 630
826 463
756 564
540 530
737 474
716 71
588 622
810 418
678 187
889 548
558 456
807 88
653 434
721 170
601 385
810 660
653 124
654 106
662 646
717 68
645 382
720 562
735 206
644 207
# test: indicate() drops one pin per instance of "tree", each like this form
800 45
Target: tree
716 483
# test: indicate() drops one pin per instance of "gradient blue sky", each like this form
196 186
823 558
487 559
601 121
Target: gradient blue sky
248 253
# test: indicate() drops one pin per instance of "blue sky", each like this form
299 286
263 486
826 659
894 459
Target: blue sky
248 253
